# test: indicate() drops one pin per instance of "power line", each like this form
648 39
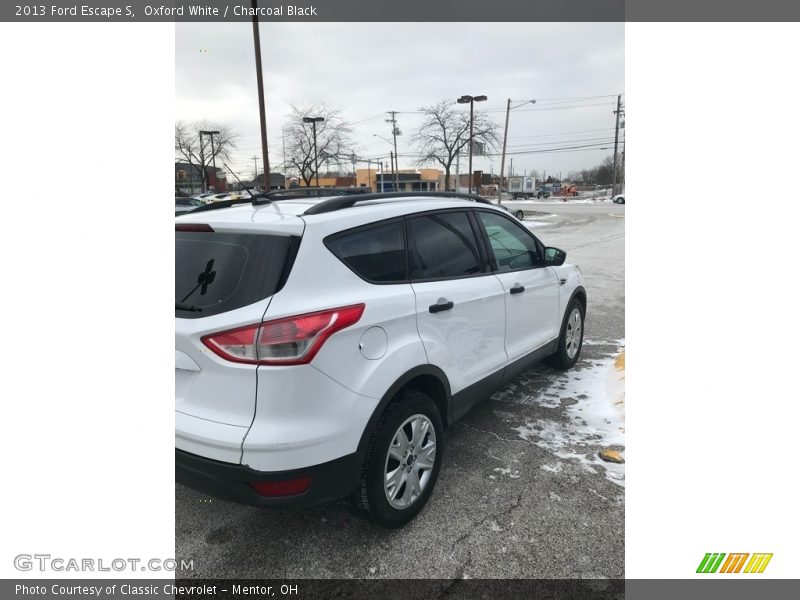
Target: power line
606 139
521 137
549 108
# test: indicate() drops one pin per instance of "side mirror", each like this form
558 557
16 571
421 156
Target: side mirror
554 257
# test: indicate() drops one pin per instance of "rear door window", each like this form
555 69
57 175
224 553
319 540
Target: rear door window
442 246
376 253
219 272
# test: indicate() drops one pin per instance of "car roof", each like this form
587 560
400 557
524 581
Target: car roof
288 215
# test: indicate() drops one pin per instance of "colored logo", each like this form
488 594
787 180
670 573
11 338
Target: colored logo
734 563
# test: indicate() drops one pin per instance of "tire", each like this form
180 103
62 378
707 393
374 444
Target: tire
520 215
568 353
411 409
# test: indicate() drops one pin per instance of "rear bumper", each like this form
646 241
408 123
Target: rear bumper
329 481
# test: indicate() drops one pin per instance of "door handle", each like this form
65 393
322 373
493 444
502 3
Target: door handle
517 289
442 305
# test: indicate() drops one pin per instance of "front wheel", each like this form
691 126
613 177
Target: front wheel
570 340
520 215
402 461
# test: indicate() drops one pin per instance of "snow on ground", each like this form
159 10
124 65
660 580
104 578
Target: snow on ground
593 416
530 224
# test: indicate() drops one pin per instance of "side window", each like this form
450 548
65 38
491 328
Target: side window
442 245
513 248
377 253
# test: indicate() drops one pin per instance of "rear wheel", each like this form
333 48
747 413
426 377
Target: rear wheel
402 461
520 215
570 341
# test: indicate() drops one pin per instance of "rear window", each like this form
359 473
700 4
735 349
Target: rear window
218 272
376 253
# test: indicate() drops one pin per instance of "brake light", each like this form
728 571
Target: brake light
194 227
290 487
288 341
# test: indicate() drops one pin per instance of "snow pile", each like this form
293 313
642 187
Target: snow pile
593 417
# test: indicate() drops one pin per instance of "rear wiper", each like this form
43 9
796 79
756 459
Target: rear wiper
187 307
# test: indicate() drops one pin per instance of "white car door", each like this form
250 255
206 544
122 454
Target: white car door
531 290
460 303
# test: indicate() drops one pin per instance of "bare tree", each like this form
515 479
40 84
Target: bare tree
190 148
444 134
333 140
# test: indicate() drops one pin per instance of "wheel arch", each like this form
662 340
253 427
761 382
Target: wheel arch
425 378
579 293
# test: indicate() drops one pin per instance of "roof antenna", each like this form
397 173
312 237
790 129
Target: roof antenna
256 201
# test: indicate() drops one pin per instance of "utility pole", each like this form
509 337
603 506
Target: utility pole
255 168
392 161
616 145
503 159
511 169
505 139
395 133
380 166
355 177
261 108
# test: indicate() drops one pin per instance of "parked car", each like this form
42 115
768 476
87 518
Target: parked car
323 345
515 207
620 199
184 205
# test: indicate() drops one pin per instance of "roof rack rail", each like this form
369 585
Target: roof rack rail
226 204
310 192
341 202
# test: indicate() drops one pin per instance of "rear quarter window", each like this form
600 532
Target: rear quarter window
375 253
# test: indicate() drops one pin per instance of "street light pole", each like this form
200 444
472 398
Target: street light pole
202 164
505 139
210 134
314 121
471 100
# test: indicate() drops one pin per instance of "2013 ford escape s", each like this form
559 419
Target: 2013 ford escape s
323 345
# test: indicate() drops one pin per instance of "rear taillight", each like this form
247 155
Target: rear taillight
288 341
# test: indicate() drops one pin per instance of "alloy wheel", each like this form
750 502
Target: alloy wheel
574 332
409 461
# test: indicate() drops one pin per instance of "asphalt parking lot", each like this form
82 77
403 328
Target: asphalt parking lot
521 493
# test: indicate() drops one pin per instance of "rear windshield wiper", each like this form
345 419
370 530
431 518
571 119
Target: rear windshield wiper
187 307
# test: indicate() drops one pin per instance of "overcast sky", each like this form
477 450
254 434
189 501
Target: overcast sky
573 70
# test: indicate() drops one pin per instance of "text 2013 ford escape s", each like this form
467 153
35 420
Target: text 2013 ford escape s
322 345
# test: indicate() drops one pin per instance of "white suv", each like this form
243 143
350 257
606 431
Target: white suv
323 345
